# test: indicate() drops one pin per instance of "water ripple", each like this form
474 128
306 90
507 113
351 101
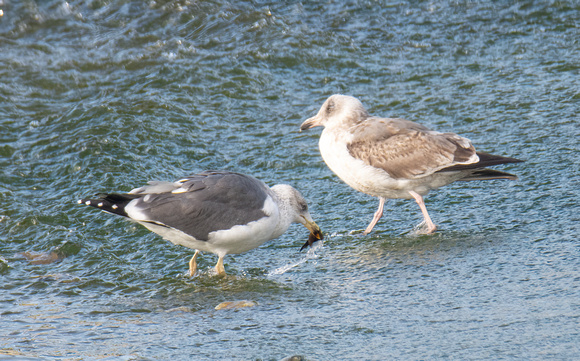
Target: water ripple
106 95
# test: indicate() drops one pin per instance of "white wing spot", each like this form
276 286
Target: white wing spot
88 203
100 204
114 206
80 201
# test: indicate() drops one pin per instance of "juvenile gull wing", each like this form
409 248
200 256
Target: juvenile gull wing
405 149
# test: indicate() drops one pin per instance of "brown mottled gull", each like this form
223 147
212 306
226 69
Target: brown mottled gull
396 158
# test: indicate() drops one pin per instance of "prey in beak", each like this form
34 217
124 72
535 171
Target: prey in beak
315 233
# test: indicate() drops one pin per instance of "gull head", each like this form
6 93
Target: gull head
293 208
338 111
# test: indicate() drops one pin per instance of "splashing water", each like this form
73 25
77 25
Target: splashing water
311 254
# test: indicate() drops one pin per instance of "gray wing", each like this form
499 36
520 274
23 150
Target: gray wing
202 203
405 149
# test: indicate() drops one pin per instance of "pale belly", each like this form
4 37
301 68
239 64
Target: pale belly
375 181
236 240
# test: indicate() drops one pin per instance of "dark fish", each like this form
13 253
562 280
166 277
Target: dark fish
312 237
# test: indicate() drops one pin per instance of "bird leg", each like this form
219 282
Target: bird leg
378 215
431 227
193 264
219 267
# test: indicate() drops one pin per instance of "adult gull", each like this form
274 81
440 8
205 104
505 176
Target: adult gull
214 211
396 158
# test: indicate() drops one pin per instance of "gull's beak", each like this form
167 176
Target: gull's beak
310 123
315 233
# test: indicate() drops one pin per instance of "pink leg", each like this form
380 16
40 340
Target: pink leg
430 226
377 216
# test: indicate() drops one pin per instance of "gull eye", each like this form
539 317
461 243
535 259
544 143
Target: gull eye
330 107
303 207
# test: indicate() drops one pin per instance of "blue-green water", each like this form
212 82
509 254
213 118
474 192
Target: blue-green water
106 95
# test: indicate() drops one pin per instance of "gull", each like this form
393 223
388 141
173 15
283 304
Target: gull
220 212
393 158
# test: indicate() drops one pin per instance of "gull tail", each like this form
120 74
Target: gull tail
113 203
487 174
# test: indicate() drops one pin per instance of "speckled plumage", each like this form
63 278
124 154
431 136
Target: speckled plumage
395 158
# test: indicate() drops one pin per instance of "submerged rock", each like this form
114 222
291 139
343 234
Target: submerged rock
229 305
294 358
42 258
180 309
60 277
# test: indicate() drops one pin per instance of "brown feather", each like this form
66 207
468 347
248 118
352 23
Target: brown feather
405 149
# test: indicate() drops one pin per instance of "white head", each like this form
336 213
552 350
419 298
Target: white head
294 209
337 111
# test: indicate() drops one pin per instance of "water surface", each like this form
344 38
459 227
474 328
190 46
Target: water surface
106 95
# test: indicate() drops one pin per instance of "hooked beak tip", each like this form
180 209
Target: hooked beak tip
309 123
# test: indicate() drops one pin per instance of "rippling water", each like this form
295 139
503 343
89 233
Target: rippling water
105 95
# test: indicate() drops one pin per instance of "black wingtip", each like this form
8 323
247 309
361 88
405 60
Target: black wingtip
485 160
112 203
